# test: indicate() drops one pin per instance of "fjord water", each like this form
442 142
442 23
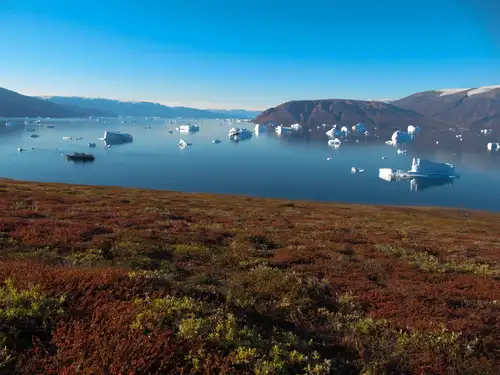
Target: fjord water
267 165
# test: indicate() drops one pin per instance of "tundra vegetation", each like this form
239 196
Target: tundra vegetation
103 280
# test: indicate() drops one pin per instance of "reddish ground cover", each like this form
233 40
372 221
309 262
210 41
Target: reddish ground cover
124 281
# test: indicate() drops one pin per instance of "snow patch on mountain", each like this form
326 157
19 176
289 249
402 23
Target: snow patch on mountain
445 92
482 90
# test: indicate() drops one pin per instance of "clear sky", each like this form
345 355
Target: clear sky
247 54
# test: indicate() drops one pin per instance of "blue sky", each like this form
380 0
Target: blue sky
246 54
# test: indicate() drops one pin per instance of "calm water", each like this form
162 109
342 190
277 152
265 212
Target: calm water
266 165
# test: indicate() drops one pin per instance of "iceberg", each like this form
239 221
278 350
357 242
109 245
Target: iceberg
116 137
399 137
334 143
259 128
238 134
334 132
493 146
413 129
189 128
359 128
421 168
282 129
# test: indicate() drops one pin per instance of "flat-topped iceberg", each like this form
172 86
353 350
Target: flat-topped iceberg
420 168
116 137
238 134
189 128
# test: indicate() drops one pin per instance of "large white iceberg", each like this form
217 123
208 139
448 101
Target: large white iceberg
420 168
116 137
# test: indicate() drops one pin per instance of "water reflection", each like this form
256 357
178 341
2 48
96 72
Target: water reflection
420 184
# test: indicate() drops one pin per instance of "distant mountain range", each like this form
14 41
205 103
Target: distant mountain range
134 109
464 108
237 113
473 108
13 104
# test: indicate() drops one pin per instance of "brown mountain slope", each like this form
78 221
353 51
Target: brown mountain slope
467 109
312 113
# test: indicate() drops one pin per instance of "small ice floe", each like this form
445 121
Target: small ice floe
92 145
147 127
390 143
334 143
296 127
34 136
359 128
238 134
399 137
30 129
182 143
216 141
493 146
402 152
283 129
458 136
357 140
356 170
384 158
437 142
107 147
486 131
20 149
413 129
329 158
334 132
67 138
189 128
366 133
79 138
170 131
259 128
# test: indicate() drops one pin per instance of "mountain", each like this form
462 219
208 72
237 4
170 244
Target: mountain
311 113
13 104
475 108
134 109
237 113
